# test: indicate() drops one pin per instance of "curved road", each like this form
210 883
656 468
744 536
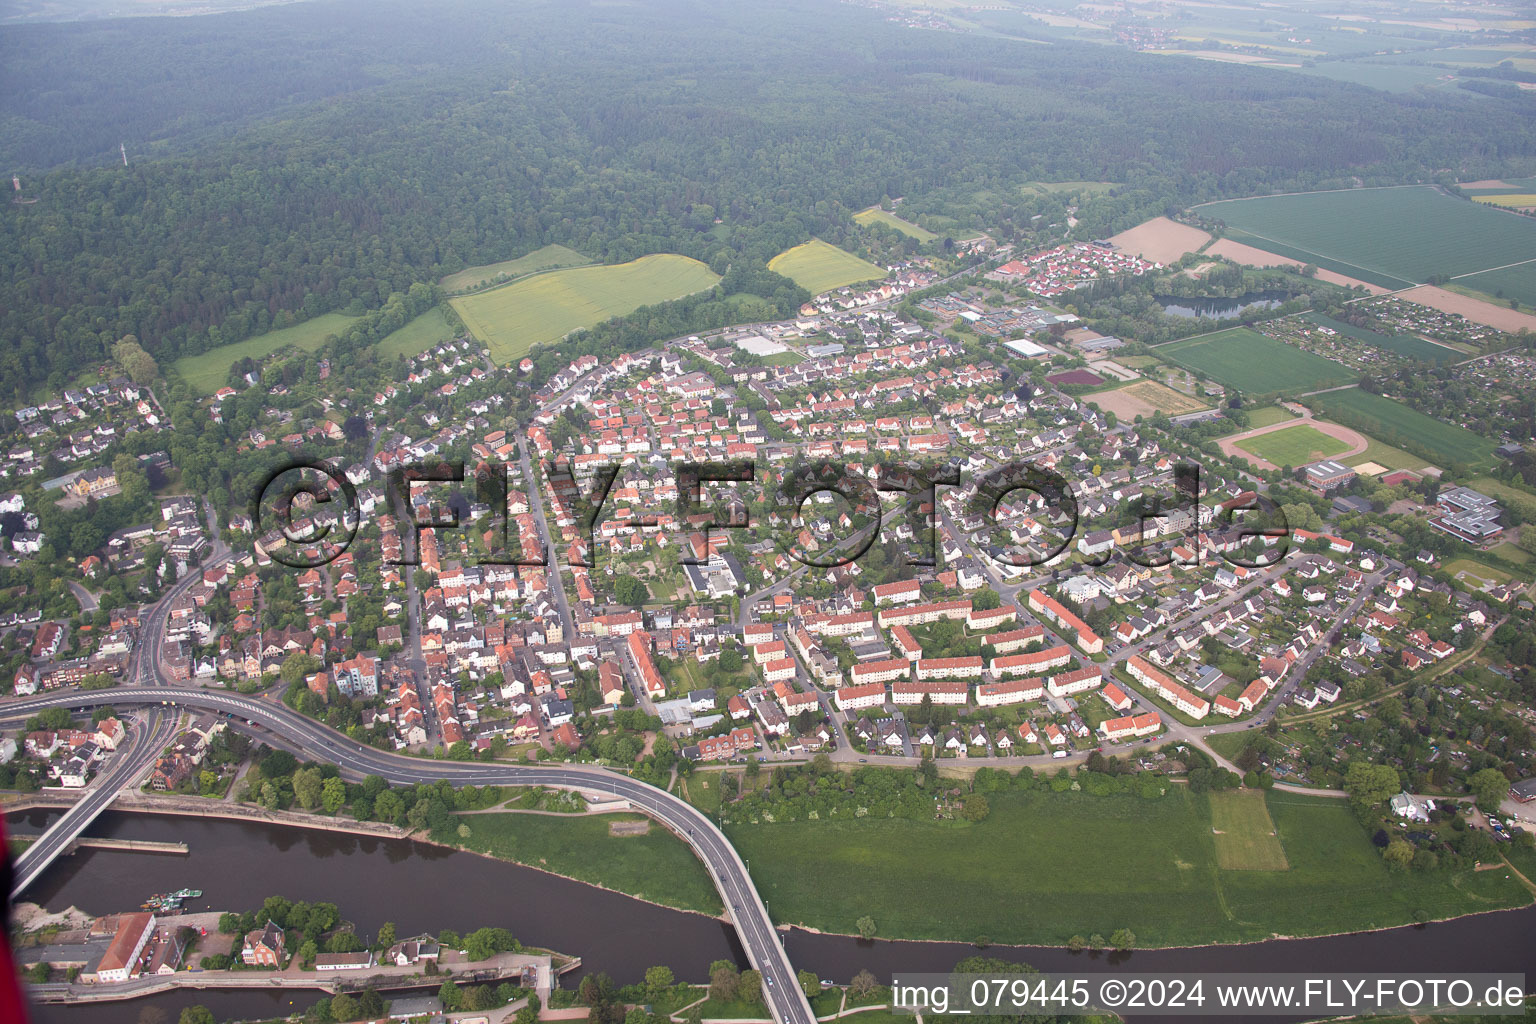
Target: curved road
149 736
784 996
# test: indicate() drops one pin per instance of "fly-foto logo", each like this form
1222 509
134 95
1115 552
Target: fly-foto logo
1019 514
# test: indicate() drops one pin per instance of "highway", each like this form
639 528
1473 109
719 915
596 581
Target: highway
147 738
784 996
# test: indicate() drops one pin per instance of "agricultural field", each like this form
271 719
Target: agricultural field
1049 187
546 307
1392 237
1154 870
820 267
1160 240
550 257
1513 200
1399 425
209 371
1294 446
1248 361
1496 315
1409 345
875 215
1504 283
1143 398
431 328
1245 833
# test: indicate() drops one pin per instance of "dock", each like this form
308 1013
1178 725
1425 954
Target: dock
93 843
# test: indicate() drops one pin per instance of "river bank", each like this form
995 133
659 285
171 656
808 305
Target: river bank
1177 904
424 887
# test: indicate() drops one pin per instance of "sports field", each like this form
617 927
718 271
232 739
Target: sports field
544 308
1408 345
1393 237
1293 446
875 215
209 371
1245 834
1249 361
547 258
431 328
819 267
1399 425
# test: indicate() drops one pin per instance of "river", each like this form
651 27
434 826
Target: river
420 887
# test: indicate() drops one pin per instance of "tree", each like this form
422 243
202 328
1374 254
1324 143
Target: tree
862 984
386 935
1123 938
344 1007
1370 785
722 981
749 987
308 787
809 983
198 1014
1095 941
629 590
332 795
657 980
139 364
975 808
1076 943
866 926
450 996
1398 854
1490 787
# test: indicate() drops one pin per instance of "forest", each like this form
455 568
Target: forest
301 159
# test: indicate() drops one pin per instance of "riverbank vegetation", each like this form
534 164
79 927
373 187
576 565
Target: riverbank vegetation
651 864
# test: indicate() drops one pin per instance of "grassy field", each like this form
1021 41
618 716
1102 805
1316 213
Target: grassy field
1525 501
1391 237
1486 574
209 371
820 267
1293 446
546 307
1267 416
1045 866
431 328
1247 360
547 258
1385 455
655 866
1403 344
1400 425
875 215
1244 833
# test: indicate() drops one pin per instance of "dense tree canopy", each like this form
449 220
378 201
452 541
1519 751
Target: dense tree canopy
356 150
